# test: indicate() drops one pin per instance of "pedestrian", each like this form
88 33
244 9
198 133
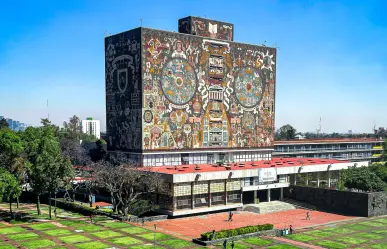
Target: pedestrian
225 244
291 229
230 216
213 235
307 216
91 218
232 244
55 213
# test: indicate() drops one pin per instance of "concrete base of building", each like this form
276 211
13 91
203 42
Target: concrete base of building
200 210
268 207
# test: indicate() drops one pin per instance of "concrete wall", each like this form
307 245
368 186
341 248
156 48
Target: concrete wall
344 202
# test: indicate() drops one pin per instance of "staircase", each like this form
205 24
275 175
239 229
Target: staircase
268 207
299 204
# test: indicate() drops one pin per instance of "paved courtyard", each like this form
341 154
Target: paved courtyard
192 227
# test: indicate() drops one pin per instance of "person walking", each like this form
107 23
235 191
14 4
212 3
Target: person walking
225 244
307 216
213 235
55 213
230 216
91 218
291 229
232 244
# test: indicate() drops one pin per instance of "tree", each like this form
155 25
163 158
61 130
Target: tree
286 132
9 188
108 177
46 165
380 170
385 150
3 124
12 155
98 153
362 179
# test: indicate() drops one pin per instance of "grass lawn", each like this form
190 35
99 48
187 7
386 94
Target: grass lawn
124 241
150 246
301 237
176 243
331 244
57 232
351 240
38 243
23 236
369 236
90 228
379 246
372 224
106 234
320 233
71 223
9 230
74 239
6 247
134 230
257 241
237 246
335 230
117 224
357 227
92 245
381 231
43 226
283 246
159 236
382 220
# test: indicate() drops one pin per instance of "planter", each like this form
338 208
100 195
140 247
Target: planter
273 232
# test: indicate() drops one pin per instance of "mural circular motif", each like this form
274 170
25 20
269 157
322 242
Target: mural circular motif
248 87
148 116
178 81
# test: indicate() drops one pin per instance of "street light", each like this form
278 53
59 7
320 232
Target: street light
155 237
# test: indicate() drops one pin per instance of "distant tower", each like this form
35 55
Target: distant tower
318 131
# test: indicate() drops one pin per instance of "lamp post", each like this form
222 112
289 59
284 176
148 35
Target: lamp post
155 237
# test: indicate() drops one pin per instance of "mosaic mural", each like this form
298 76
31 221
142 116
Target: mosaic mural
204 93
206 28
123 91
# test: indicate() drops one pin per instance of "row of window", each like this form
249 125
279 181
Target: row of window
287 148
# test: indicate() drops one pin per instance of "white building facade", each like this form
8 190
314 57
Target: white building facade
92 127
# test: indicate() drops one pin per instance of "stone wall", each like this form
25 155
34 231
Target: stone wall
344 202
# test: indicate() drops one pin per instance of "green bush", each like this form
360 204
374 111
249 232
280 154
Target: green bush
237 231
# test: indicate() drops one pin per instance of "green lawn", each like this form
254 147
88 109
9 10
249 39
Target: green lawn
257 241
90 228
23 236
381 231
237 245
9 230
150 246
379 246
283 246
357 227
331 244
320 233
352 240
43 226
159 236
176 243
369 236
372 224
134 230
117 224
7 247
382 220
301 237
71 223
124 241
335 230
92 245
106 234
74 239
57 232
37 243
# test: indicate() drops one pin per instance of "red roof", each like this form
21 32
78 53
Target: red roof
275 162
327 140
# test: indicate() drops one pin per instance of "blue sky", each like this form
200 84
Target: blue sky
332 61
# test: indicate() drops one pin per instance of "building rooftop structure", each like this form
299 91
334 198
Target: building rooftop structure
328 140
275 162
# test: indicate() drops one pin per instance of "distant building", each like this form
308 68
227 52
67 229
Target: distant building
340 149
10 123
92 127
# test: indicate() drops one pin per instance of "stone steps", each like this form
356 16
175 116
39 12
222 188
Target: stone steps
268 207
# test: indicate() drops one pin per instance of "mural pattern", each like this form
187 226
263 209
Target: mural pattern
204 93
206 28
123 91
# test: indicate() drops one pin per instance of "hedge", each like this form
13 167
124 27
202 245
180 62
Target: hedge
237 231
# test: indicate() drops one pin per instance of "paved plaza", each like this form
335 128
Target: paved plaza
192 227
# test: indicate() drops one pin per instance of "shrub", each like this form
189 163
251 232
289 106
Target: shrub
237 231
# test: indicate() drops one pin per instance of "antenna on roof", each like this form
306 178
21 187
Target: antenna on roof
276 46
140 22
264 44
318 131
